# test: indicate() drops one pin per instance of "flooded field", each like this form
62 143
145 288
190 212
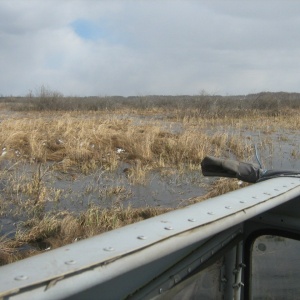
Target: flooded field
89 170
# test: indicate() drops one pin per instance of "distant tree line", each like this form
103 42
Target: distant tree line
45 99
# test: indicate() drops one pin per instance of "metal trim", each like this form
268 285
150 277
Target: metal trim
123 246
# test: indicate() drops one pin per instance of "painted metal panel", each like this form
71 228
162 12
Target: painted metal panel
67 271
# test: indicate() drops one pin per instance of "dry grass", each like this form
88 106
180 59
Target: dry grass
220 187
10 253
88 143
81 142
223 186
55 230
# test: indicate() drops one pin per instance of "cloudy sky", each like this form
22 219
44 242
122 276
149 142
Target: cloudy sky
157 47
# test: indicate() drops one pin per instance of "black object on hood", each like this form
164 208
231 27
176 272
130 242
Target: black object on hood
212 166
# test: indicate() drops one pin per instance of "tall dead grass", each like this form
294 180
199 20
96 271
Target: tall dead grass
78 142
86 143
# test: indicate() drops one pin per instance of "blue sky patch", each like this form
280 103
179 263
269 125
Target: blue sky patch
89 30
85 29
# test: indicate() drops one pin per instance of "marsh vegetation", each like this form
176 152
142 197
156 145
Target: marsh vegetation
75 167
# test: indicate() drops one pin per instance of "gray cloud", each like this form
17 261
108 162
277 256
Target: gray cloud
149 47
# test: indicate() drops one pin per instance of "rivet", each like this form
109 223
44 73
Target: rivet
210 213
228 207
142 237
242 201
109 249
21 277
169 228
189 270
276 190
192 220
268 194
161 290
70 262
284 186
254 197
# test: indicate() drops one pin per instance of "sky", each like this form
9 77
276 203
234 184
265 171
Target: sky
153 47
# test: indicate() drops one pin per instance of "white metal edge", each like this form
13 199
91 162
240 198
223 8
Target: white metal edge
202 219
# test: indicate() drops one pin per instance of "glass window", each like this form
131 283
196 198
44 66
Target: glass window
203 285
275 268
